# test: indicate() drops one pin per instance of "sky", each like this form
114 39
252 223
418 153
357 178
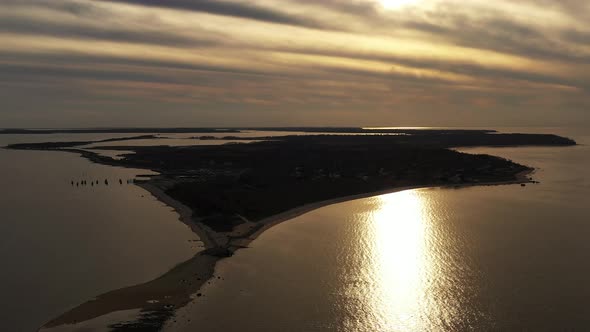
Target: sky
192 63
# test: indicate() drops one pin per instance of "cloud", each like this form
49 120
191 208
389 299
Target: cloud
504 35
86 21
228 8
346 59
102 32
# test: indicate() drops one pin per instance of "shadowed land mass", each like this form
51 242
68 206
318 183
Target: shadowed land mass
230 194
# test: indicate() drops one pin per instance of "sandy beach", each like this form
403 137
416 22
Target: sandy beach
185 213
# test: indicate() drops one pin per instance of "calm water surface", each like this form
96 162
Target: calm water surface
482 258
62 245
474 259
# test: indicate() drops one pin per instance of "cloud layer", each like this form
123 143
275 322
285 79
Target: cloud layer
293 62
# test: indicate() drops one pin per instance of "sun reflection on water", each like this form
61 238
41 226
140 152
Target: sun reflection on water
401 263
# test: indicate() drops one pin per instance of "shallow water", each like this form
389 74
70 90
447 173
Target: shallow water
63 245
481 258
189 139
166 142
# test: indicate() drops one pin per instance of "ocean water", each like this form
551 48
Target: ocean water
496 258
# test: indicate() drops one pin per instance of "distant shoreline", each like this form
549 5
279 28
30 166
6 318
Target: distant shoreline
173 288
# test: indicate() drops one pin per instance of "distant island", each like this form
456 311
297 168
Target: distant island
116 131
229 194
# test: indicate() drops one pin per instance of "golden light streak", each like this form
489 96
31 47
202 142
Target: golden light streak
401 263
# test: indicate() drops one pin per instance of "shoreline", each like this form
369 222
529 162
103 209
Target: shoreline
185 213
277 219
177 287
240 238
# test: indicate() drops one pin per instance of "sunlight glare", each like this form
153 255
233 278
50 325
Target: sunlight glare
394 4
401 235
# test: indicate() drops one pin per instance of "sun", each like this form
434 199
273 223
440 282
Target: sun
394 4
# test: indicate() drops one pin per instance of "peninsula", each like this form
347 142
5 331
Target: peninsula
229 194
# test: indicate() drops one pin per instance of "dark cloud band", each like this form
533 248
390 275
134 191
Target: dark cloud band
226 8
